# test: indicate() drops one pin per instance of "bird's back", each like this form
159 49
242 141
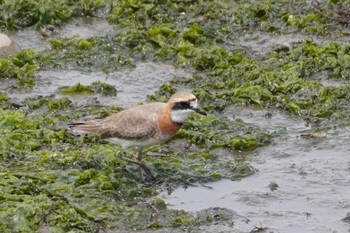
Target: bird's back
136 123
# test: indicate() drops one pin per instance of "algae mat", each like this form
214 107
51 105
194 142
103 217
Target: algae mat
271 156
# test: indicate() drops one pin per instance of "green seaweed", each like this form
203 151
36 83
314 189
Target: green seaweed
104 88
3 97
77 89
96 87
21 66
19 14
76 178
214 132
94 53
51 180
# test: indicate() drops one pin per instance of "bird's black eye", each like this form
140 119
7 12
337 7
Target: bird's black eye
181 105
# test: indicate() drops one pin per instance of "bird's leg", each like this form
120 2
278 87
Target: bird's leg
138 155
120 155
144 170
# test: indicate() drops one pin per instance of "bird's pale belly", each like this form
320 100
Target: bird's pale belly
137 143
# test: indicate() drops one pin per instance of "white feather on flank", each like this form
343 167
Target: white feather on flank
77 131
179 116
134 143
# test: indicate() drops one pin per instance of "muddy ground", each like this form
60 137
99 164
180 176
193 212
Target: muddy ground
301 183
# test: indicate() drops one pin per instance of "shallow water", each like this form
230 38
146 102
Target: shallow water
312 177
312 174
133 85
259 43
83 27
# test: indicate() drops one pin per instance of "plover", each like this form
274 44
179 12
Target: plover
143 125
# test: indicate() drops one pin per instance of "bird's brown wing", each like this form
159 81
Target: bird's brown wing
132 125
137 123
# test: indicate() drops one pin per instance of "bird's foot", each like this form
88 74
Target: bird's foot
145 172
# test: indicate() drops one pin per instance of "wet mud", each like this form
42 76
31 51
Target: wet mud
301 184
29 38
132 84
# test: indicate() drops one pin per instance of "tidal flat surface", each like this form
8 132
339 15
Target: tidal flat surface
301 185
271 156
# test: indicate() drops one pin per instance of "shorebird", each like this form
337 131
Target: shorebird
142 126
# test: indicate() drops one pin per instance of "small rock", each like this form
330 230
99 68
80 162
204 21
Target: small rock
199 19
315 122
347 218
7 46
273 186
283 47
268 115
48 31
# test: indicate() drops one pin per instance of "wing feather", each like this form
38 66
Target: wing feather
138 123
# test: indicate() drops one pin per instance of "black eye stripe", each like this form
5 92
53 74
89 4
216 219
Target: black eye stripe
182 105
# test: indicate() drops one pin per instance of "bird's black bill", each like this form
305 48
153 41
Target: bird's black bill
200 111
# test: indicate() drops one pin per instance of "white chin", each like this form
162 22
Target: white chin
179 116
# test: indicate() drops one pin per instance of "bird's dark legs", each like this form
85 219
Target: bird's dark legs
144 170
120 155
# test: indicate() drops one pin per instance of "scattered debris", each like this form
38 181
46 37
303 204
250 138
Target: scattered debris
318 135
308 215
48 31
258 229
346 218
273 186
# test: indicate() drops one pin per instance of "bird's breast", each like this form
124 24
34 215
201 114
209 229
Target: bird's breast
168 128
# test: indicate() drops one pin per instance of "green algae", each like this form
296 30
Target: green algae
21 66
94 53
289 80
154 35
28 193
104 88
77 89
213 132
19 14
50 179
286 80
3 97
96 87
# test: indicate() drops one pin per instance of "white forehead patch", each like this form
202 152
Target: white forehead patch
194 103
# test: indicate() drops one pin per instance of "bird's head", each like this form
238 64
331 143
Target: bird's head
182 104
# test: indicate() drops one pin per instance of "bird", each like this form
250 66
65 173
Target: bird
143 126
